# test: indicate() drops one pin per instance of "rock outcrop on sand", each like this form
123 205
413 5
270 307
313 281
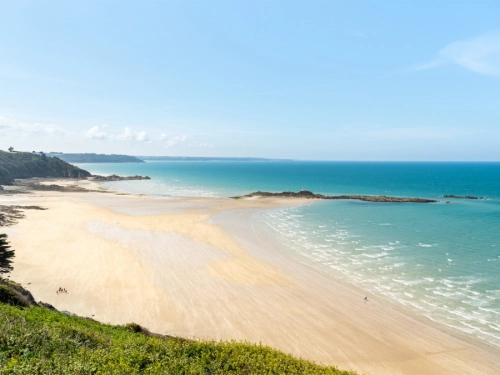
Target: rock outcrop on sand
53 187
9 215
114 177
14 294
368 198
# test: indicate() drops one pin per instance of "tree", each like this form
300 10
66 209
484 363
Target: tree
6 255
11 149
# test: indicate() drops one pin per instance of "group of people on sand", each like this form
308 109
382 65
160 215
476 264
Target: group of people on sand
62 290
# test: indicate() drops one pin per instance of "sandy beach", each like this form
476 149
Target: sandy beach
196 268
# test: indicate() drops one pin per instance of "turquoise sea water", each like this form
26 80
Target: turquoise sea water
440 260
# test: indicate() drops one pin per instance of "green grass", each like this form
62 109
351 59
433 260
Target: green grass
36 340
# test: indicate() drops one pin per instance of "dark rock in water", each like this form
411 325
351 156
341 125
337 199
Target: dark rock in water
306 193
462 197
368 198
114 177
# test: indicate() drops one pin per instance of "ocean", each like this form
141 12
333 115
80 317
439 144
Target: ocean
439 260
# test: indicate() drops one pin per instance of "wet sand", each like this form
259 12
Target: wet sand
197 268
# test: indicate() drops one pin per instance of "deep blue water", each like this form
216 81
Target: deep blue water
440 260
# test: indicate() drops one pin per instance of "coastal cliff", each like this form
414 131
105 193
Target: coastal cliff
15 165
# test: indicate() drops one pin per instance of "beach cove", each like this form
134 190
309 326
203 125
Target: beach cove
195 268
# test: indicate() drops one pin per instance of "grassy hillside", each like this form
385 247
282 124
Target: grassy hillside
96 158
25 165
37 340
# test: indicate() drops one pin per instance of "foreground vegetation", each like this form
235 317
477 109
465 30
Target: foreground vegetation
15 165
37 340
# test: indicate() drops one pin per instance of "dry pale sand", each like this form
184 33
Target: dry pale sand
197 268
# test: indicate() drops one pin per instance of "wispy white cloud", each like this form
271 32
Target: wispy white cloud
96 132
22 133
171 141
30 128
480 54
132 136
129 135
126 135
177 140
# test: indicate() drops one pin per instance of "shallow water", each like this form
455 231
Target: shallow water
440 260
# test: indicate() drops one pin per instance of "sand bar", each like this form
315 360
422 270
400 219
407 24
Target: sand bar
197 268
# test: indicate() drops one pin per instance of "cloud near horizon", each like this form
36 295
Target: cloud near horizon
127 135
29 129
480 54
132 136
20 134
172 141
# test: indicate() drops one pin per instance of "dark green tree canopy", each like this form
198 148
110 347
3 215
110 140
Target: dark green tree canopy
6 255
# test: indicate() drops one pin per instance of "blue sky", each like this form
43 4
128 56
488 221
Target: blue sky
324 80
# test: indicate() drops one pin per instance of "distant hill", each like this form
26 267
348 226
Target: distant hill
204 158
26 165
95 158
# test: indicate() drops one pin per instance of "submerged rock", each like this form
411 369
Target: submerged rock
462 196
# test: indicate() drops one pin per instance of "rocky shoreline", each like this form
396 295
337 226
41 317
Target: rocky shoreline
115 177
368 198
9 215
24 186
